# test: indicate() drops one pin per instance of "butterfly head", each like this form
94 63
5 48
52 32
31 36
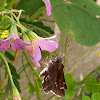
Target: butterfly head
57 60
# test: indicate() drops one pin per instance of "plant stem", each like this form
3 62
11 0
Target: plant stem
24 68
38 90
9 72
65 53
11 4
19 24
87 53
91 74
34 72
4 81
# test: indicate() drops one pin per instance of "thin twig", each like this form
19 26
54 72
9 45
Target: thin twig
13 10
65 52
87 53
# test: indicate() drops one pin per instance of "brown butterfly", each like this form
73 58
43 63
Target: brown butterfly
54 80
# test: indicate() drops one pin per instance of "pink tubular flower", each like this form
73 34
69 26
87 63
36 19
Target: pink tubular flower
37 43
48 6
14 40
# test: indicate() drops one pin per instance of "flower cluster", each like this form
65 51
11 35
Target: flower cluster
29 40
32 43
14 40
37 43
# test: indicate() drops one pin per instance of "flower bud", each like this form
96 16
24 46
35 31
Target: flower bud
16 95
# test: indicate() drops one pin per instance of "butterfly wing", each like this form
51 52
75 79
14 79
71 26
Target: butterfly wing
59 87
50 77
54 80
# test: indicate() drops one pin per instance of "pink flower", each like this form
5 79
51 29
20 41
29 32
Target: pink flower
37 43
14 40
48 6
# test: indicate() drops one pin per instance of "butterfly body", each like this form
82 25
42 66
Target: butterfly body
54 80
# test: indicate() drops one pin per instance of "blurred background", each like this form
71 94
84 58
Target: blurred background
77 59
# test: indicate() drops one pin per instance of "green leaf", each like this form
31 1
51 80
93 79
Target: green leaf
90 6
5 22
30 6
45 53
13 71
1 5
91 85
79 21
9 97
70 82
69 94
1 93
12 68
9 56
17 84
1 63
10 4
31 88
39 28
96 96
86 98
39 82
36 14
9 83
15 75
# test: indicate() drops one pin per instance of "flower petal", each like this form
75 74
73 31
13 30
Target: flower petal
23 42
1 41
47 45
5 45
37 55
37 64
16 45
48 6
52 37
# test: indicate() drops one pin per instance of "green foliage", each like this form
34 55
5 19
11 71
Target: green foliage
78 18
31 88
86 98
15 77
5 22
31 7
92 86
1 93
11 3
36 14
39 83
96 96
39 28
1 63
12 68
70 82
9 56
73 17
69 94
1 5
45 53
